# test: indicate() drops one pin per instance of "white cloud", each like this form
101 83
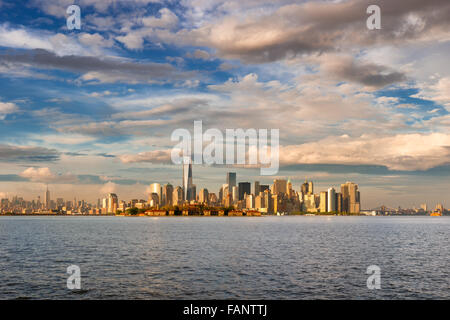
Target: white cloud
413 151
109 187
437 91
156 156
167 20
7 108
46 176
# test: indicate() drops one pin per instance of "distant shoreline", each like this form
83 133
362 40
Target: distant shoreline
205 216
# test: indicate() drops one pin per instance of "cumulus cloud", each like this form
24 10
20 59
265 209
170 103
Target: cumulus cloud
7 108
438 91
109 187
46 176
413 151
315 27
199 54
156 156
167 20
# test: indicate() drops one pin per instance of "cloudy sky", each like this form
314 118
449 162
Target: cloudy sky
91 111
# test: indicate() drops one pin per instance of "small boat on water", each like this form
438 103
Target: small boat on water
435 214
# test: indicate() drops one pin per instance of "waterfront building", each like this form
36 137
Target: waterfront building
323 207
331 201
250 201
177 196
279 186
235 194
257 188
155 188
113 203
350 198
47 199
167 195
244 188
338 202
187 179
231 181
203 196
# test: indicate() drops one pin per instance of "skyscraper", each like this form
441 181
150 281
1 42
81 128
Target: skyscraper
331 200
257 188
350 198
47 199
235 194
304 187
244 188
203 196
167 192
177 196
113 203
231 181
279 186
156 188
323 205
187 179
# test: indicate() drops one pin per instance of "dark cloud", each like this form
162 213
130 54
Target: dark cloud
10 153
96 68
369 74
316 27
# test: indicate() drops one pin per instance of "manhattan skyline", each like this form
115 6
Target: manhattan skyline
91 111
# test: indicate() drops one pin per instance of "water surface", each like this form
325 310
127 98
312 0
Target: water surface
224 258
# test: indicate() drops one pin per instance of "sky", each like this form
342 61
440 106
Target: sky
91 111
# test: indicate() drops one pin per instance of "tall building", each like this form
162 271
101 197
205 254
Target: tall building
350 198
290 191
250 201
338 202
279 186
244 188
167 194
424 207
257 188
177 196
323 207
231 181
187 179
331 200
113 203
235 194
203 196
47 199
156 188
213 199
310 187
304 188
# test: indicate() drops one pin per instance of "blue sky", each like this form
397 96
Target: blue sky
91 111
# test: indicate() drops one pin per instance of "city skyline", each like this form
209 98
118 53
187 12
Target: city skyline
91 111
158 194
